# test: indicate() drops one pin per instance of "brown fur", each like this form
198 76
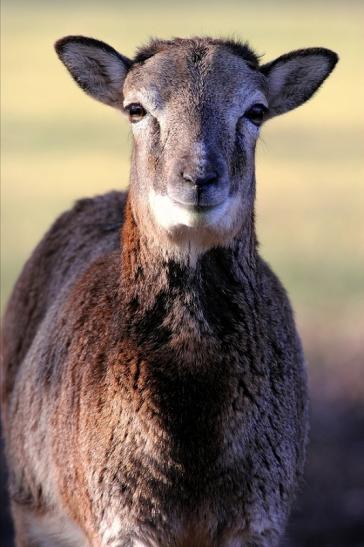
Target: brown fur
149 399
96 375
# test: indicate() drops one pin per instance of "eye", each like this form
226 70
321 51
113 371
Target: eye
255 113
136 112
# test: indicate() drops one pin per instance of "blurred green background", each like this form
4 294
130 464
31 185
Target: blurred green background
59 145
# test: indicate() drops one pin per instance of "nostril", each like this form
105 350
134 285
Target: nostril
187 177
208 178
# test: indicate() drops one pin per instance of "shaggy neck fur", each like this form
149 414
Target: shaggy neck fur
143 257
158 293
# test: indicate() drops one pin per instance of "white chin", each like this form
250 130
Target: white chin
171 215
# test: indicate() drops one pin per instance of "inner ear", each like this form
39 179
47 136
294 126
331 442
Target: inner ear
96 67
294 77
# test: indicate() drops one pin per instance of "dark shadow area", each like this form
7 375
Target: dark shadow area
6 528
330 508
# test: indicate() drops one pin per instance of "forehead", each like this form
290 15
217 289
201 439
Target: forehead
194 74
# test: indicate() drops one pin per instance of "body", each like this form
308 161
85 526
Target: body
154 386
180 414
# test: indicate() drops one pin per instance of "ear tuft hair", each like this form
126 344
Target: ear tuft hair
96 67
294 77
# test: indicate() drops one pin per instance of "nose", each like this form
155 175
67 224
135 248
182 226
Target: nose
208 178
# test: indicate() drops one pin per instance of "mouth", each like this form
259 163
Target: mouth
174 214
196 207
195 199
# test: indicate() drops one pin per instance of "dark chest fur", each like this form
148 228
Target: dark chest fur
195 336
186 346
168 396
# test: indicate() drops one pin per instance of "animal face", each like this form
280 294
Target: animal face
195 108
195 111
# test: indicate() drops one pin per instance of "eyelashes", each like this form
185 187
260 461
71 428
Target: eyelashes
256 114
136 112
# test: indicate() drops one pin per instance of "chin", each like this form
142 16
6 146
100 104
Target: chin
205 227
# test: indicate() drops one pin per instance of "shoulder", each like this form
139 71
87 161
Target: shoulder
277 310
273 292
99 214
78 237
90 227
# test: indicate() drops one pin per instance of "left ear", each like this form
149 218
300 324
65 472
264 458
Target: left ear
294 77
97 67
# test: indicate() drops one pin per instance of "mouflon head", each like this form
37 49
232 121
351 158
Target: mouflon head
195 107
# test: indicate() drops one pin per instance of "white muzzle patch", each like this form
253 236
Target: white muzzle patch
171 215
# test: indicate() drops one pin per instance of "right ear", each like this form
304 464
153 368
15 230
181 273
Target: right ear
97 68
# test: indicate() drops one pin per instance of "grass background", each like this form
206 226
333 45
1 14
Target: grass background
59 145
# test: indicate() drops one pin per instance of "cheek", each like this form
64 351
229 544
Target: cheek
146 132
246 135
242 156
148 146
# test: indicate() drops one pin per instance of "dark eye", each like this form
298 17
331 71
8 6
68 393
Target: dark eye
255 114
136 112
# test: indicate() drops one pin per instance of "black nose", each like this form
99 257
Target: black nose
207 178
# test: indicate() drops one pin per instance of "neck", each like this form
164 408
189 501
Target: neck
147 266
158 294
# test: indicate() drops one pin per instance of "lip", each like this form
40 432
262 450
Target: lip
172 214
196 207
